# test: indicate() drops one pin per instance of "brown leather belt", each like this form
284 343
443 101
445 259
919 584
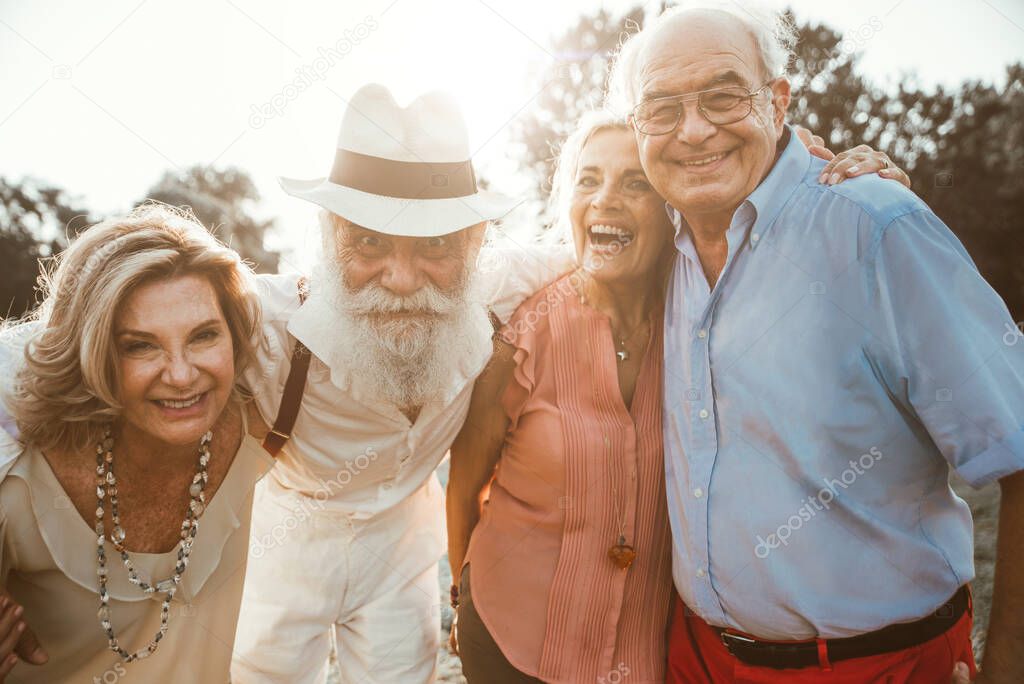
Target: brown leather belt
787 655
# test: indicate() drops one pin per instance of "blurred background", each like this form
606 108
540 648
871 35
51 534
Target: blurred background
205 102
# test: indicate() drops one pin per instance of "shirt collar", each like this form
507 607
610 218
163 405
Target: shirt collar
771 195
766 201
303 324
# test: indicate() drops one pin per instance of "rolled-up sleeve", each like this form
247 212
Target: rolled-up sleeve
958 352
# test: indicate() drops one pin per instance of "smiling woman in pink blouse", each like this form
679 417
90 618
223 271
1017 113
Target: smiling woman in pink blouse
567 577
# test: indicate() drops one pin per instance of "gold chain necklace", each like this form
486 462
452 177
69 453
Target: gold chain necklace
622 353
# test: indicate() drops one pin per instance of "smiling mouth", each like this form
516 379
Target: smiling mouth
705 161
603 235
182 403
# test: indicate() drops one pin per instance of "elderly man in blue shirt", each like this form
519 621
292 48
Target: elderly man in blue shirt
831 353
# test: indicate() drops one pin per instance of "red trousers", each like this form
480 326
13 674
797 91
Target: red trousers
696 655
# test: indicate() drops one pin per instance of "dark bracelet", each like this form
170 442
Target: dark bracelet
454 595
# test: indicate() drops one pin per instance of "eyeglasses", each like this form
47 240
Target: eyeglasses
720 106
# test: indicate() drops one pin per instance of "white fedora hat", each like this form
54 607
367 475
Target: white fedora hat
403 171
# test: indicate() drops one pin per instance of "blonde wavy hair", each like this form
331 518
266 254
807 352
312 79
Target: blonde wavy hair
567 164
67 389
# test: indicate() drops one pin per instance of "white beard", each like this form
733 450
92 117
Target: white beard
405 361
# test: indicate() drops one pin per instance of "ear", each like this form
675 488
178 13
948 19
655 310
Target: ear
781 94
328 231
475 235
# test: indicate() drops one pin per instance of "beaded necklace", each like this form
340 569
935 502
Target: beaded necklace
106 489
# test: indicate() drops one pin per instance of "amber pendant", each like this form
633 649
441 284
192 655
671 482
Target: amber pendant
622 554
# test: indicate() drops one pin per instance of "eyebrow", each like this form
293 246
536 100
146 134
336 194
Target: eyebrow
724 78
628 172
143 333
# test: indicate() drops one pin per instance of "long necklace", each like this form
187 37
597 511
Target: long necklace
106 489
621 553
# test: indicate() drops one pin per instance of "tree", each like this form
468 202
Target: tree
224 201
35 222
572 85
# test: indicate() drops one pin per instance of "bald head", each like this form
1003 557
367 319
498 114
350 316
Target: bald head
708 162
763 38
697 50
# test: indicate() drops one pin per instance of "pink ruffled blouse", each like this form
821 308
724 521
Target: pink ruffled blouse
578 469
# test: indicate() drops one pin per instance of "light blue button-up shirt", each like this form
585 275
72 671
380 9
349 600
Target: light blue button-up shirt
815 400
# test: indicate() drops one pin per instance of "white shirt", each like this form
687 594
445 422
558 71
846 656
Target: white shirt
359 455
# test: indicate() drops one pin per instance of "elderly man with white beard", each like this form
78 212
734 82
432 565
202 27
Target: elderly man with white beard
348 528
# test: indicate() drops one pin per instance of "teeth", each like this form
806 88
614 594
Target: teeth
601 229
180 404
705 161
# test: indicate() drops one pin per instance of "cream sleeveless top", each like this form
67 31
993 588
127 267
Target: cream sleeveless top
48 564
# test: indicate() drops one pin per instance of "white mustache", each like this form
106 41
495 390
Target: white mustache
376 299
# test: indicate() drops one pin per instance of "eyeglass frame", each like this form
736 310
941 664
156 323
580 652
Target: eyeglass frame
751 94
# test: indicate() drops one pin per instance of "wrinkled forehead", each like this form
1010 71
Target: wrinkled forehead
345 229
610 150
697 50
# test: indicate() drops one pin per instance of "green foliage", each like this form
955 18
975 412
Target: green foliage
224 201
33 219
36 221
573 84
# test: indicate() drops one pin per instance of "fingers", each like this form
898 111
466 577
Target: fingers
805 136
896 174
838 170
29 649
7 665
857 162
821 152
815 144
961 674
827 172
453 642
11 627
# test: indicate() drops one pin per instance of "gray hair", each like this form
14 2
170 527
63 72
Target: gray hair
773 33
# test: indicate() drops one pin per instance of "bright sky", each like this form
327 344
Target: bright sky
101 98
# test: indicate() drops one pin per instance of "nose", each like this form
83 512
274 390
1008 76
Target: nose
693 128
401 275
606 197
180 372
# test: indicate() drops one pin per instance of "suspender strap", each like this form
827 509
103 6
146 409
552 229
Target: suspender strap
495 322
294 387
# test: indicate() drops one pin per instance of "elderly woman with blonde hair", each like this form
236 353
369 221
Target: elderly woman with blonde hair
125 502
